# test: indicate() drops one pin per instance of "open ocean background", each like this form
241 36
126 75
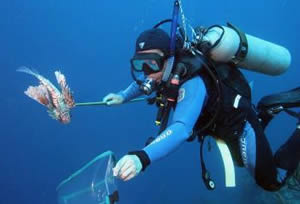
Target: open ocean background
91 42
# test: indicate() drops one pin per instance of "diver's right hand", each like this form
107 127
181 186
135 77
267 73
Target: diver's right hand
113 99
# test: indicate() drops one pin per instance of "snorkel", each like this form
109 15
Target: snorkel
171 59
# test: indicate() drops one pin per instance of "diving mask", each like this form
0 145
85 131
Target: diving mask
147 62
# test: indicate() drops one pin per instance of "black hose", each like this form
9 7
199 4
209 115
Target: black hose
162 22
220 38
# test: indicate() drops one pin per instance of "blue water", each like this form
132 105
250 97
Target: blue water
91 42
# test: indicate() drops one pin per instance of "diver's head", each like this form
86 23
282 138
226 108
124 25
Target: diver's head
154 38
151 53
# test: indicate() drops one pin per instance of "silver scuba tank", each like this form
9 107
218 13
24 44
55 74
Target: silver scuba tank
259 55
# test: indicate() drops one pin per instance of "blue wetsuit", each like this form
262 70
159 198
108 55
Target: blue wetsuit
254 147
188 108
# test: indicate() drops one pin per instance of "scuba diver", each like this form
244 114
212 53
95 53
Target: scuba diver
209 96
237 121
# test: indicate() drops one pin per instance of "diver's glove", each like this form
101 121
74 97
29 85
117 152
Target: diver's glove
113 99
128 167
131 165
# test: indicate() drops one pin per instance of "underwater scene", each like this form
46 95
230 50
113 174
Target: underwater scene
86 84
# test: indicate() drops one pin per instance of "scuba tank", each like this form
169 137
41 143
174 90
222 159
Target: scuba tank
228 44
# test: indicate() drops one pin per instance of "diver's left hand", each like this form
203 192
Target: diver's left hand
128 167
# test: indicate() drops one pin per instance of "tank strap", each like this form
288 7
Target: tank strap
243 47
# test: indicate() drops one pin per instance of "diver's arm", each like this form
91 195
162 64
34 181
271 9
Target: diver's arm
184 118
131 92
123 96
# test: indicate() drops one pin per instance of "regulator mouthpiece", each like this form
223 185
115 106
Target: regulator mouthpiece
148 86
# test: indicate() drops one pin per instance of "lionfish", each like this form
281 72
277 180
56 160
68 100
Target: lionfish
58 102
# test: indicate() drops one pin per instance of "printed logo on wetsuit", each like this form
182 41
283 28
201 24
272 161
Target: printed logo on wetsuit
243 148
181 94
163 136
